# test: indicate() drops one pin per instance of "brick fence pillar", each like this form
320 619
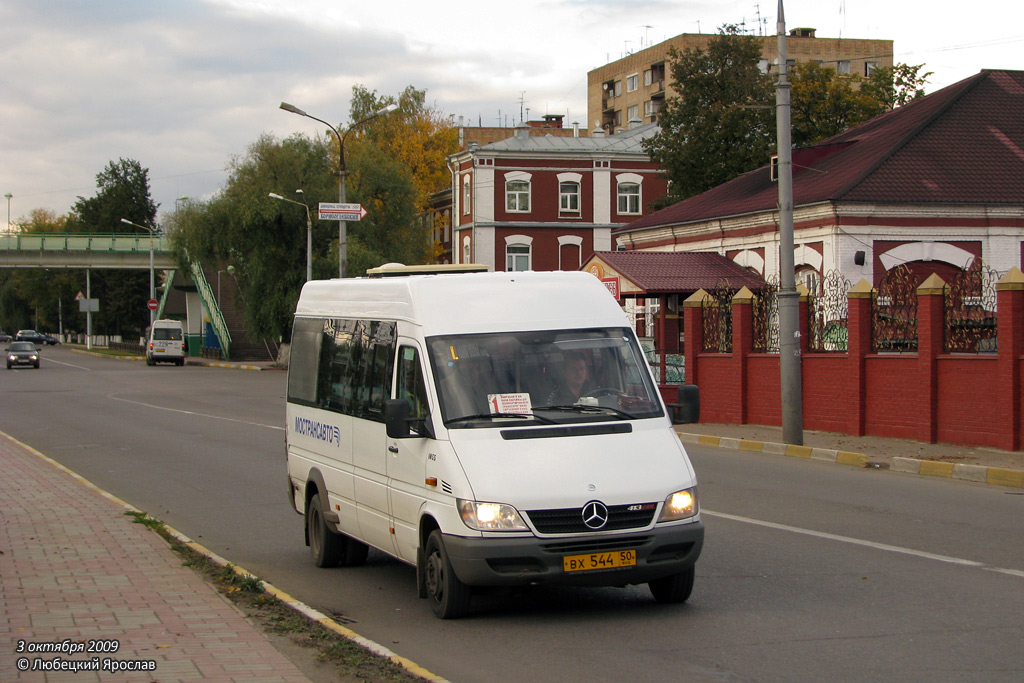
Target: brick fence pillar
858 346
930 345
693 333
1010 305
742 345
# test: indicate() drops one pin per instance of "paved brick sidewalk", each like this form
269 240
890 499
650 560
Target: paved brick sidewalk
75 570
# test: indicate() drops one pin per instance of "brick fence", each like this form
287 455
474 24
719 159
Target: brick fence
930 395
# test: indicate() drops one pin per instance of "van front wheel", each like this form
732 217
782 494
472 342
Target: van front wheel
674 588
449 598
325 545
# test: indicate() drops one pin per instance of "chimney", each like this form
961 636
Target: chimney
522 131
575 129
634 123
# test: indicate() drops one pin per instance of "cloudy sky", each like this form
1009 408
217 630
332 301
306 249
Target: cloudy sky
182 86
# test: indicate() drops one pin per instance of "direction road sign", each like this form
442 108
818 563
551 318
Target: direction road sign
341 212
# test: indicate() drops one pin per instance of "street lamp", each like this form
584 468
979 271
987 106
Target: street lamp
8 195
342 225
152 289
309 233
230 270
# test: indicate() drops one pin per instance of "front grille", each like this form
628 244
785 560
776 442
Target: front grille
570 520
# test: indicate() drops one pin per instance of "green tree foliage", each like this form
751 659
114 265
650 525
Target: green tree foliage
31 297
825 103
122 192
722 123
895 86
407 164
262 237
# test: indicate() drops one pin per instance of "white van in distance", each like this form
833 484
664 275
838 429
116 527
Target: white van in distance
491 429
166 343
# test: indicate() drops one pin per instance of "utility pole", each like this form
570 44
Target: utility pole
789 300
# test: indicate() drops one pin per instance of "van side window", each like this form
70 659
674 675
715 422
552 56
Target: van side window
410 384
303 367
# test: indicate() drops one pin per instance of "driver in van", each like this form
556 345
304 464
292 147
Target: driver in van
575 374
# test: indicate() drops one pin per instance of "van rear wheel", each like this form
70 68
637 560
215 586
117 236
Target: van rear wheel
326 546
674 588
449 598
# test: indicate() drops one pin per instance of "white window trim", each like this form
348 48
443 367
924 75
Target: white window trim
574 240
520 241
633 78
629 179
466 196
522 176
576 178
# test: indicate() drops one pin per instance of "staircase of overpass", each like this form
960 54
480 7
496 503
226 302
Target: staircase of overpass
184 289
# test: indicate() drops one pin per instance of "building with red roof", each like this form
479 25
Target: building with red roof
933 184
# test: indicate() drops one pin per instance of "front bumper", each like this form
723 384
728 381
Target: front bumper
496 561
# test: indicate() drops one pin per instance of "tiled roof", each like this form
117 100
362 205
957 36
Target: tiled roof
963 144
678 271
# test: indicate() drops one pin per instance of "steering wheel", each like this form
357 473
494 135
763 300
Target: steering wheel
602 391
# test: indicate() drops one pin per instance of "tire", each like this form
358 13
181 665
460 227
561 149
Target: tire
35 365
150 362
675 588
327 547
449 598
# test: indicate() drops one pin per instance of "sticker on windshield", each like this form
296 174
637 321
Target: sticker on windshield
510 403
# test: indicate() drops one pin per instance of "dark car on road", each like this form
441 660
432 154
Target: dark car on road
35 337
22 353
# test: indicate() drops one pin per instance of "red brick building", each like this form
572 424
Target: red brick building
546 202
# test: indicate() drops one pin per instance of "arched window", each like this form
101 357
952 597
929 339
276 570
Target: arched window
466 195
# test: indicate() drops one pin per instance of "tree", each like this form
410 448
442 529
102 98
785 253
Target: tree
824 103
36 296
721 124
895 86
265 238
122 192
408 164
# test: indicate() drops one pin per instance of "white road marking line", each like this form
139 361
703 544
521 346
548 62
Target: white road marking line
867 544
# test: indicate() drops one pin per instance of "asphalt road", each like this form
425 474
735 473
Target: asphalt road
810 571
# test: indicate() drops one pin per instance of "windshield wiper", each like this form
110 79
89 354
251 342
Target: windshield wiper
487 416
584 409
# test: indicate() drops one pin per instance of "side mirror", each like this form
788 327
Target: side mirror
686 410
399 425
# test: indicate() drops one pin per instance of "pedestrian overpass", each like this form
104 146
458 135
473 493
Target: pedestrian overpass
186 294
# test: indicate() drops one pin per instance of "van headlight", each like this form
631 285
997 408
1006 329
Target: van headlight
679 505
490 516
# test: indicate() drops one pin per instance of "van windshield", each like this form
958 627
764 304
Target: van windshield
548 376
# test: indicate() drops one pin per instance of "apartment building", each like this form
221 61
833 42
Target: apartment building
635 87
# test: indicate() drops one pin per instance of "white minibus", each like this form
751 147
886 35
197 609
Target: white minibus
490 429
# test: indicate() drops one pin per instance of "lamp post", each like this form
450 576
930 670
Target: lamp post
342 225
230 271
8 195
152 290
309 233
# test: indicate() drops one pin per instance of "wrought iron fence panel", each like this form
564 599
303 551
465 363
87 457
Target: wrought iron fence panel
969 307
765 316
716 318
894 312
828 314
